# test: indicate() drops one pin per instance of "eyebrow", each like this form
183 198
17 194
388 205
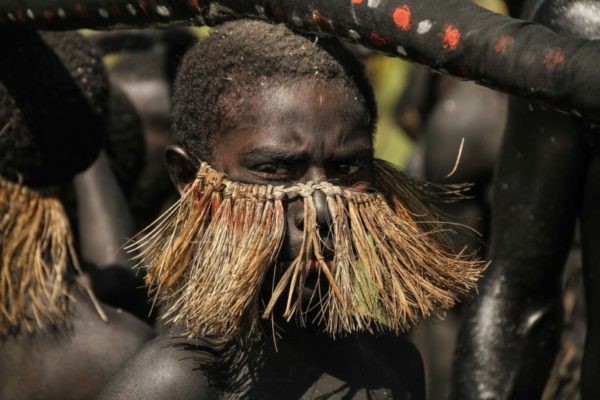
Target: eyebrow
349 153
263 154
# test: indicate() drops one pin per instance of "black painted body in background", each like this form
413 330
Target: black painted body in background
548 175
453 36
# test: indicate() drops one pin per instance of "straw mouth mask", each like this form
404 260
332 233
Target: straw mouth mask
207 257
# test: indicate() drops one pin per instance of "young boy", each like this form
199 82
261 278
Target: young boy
275 156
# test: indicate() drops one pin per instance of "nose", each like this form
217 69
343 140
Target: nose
323 217
322 210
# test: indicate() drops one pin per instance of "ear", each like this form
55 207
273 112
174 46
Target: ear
181 166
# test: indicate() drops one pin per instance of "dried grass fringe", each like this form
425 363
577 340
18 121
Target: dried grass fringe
207 257
36 250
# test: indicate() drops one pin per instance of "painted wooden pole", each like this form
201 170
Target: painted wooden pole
451 36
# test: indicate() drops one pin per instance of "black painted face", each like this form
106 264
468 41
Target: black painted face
307 131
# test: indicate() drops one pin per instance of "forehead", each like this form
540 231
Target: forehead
308 116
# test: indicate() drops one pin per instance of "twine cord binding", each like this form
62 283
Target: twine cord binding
207 257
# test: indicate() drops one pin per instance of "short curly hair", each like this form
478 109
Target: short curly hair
53 98
236 57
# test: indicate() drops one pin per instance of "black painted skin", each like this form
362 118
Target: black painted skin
299 132
547 177
104 226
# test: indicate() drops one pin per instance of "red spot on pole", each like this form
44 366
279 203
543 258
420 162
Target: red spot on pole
376 39
553 58
20 15
357 1
503 44
278 13
80 10
322 22
144 6
450 37
402 16
194 4
48 14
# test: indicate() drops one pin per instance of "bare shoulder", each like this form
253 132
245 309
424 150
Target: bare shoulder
122 332
166 368
82 358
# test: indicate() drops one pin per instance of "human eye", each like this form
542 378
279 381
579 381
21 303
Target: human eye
349 167
271 171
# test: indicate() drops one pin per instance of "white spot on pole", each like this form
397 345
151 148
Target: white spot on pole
131 9
353 34
296 20
373 3
583 17
103 12
163 11
402 51
260 9
61 13
30 14
424 27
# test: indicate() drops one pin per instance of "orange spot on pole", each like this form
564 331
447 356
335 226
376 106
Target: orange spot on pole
80 10
376 39
451 37
502 45
322 22
402 16
357 1
553 58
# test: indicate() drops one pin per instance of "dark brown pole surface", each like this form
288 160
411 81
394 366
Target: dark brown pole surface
450 36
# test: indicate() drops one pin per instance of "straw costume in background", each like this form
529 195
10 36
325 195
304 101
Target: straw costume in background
53 95
36 147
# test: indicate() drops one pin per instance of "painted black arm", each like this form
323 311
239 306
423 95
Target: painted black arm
105 225
453 36
511 334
